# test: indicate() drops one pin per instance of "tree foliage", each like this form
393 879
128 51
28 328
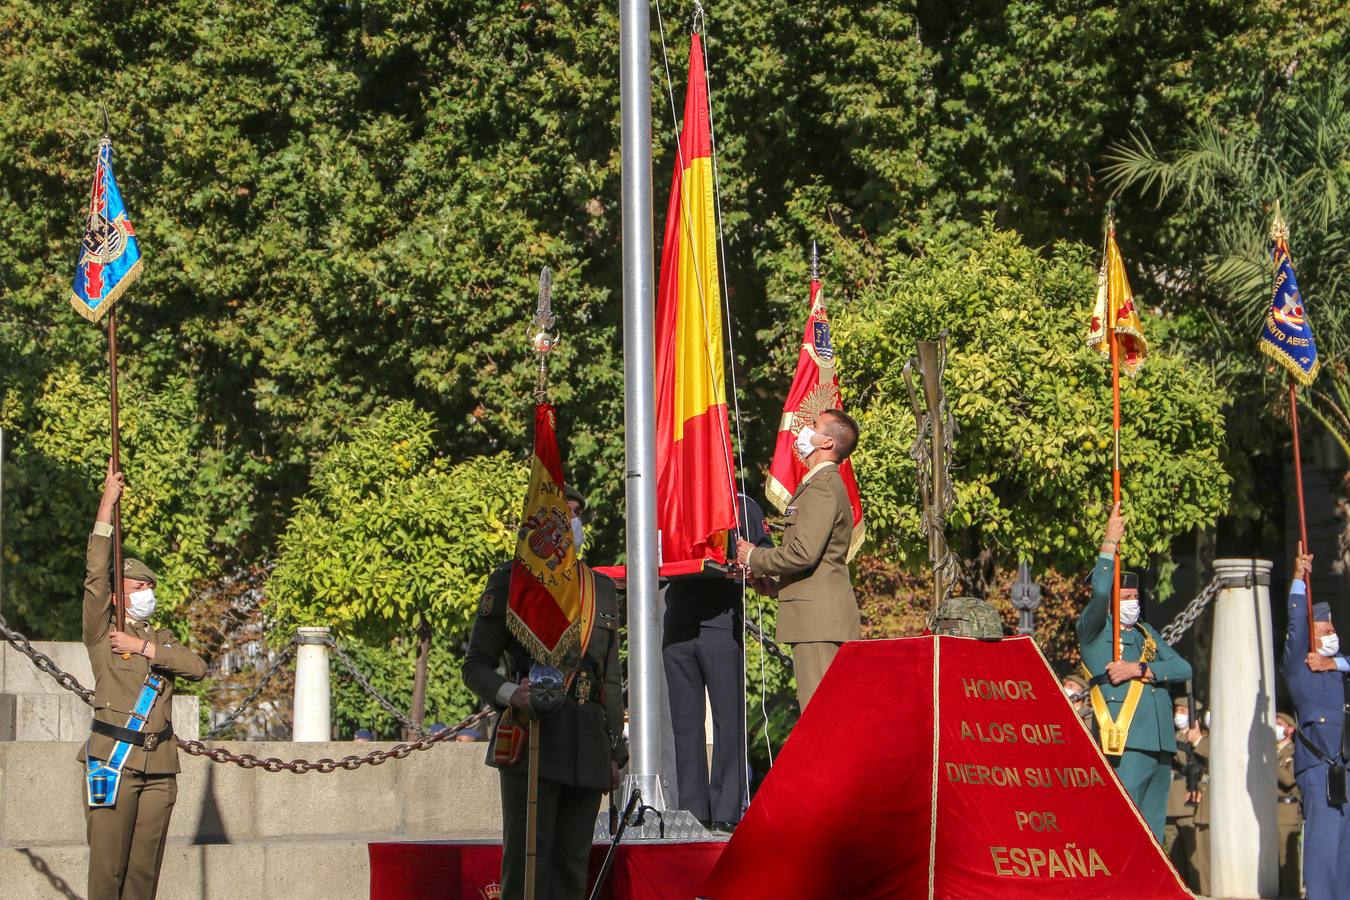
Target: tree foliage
1032 404
392 536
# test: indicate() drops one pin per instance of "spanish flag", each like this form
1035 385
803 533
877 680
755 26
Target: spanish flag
1115 309
551 609
695 488
815 388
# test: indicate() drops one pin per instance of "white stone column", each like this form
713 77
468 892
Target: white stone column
313 703
1244 855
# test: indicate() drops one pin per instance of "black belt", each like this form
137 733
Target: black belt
147 739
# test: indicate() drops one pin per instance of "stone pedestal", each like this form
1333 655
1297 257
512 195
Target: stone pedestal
313 697
1243 832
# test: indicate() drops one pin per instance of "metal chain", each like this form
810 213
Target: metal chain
45 663
370 688
282 658
770 646
1186 618
325 765
248 760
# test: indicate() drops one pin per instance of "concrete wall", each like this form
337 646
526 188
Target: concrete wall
238 833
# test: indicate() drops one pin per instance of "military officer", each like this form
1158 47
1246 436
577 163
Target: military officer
1131 706
1317 683
809 574
1200 858
1288 818
1179 832
126 837
581 745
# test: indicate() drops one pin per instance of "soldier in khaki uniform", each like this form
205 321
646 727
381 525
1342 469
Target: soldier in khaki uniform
1179 833
1200 859
126 840
1288 815
581 745
808 572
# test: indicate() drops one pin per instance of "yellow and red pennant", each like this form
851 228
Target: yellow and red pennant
1115 311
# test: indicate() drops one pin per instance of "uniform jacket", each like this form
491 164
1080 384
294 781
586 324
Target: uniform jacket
1151 729
118 681
1319 697
694 602
1287 815
1177 807
815 594
577 742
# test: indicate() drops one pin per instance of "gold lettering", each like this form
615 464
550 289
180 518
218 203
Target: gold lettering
1095 863
1000 861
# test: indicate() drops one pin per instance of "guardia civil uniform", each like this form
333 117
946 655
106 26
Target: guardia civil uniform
817 611
577 743
1144 763
126 839
1321 702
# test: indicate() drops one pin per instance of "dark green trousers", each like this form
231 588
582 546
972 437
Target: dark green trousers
126 841
1147 776
565 828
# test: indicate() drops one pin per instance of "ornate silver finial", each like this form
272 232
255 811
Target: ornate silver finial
544 339
815 262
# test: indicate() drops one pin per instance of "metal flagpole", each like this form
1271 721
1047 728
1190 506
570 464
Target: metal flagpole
639 363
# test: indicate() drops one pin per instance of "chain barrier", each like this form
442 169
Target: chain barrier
326 765
45 663
770 646
282 658
248 760
1186 618
369 688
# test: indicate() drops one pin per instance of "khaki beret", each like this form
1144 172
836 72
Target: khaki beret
136 570
572 493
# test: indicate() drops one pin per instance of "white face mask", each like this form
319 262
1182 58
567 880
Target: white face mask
1329 644
141 604
1129 612
578 535
1181 720
804 445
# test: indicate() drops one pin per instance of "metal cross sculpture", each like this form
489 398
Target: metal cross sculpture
1026 598
932 453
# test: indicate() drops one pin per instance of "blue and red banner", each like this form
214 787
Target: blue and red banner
110 257
1286 334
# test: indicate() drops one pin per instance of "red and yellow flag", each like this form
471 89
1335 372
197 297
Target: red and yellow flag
815 388
552 602
695 488
1115 309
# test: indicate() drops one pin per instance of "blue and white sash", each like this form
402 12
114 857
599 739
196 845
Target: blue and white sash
102 778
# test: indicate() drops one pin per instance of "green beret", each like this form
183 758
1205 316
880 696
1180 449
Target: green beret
135 570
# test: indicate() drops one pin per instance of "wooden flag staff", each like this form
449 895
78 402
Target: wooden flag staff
119 597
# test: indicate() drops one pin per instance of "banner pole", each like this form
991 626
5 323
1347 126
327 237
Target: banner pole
532 813
1302 514
1115 484
119 601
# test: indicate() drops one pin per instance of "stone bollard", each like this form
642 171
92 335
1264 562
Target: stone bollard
313 709
1243 833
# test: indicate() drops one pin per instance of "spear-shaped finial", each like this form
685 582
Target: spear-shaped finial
1279 229
544 338
815 262
106 130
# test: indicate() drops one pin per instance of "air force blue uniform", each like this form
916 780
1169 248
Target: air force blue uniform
1320 700
1145 768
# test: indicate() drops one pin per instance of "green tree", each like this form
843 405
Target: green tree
394 542
1033 407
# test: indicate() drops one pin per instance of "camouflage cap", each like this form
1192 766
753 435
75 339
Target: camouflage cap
968 617
136 570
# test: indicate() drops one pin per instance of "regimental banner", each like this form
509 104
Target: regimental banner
993 788
110 256
551 609
1115 311
815 388
695 488
1286 335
